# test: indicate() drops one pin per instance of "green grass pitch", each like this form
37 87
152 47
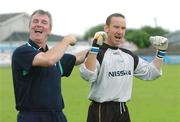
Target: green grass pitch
152 101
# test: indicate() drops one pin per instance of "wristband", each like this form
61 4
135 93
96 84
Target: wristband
94 50
161 53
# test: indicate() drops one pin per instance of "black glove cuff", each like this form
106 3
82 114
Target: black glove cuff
161 53
94 44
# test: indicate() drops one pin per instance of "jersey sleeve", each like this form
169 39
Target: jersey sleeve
146 70
67 62
23 57
89 75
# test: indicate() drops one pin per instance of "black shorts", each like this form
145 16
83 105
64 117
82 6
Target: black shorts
108 112
36 116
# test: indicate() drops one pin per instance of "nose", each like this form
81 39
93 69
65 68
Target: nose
120 31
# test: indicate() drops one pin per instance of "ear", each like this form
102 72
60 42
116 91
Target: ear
49 33
106 28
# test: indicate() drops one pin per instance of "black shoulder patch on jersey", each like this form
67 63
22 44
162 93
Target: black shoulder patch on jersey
100 55
104 47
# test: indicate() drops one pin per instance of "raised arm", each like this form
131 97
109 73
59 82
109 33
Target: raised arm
161 44
53 55
98 39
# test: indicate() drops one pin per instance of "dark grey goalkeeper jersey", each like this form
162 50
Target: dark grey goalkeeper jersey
115 68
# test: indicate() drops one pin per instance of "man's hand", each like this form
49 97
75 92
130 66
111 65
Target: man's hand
71 39
159 42
99 37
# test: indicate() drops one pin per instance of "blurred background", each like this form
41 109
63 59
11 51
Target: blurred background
150 103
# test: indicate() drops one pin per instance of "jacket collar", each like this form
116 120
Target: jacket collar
34 45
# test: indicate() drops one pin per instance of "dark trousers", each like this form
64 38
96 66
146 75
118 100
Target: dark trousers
34 116
108 112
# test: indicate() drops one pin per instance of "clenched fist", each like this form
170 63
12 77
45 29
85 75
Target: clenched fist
159 42
99 37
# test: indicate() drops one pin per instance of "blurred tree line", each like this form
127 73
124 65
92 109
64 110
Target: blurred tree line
140 36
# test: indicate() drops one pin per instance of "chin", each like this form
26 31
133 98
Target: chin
120 44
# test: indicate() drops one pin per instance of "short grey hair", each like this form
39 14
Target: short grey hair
41 12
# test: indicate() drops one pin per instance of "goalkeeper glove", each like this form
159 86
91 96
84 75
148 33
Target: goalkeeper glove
98 39
161 43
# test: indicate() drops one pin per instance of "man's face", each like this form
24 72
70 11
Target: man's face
40 28
116 31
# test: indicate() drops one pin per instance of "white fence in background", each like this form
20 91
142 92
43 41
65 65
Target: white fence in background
6 51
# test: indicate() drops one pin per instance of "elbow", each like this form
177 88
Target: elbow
47 62
50 62
43 60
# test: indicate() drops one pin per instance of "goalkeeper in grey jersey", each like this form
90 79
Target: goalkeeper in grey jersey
110 69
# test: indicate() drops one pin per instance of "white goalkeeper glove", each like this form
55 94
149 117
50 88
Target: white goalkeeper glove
161 43
99 37
98 40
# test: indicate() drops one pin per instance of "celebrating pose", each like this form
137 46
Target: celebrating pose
110 68
37 72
